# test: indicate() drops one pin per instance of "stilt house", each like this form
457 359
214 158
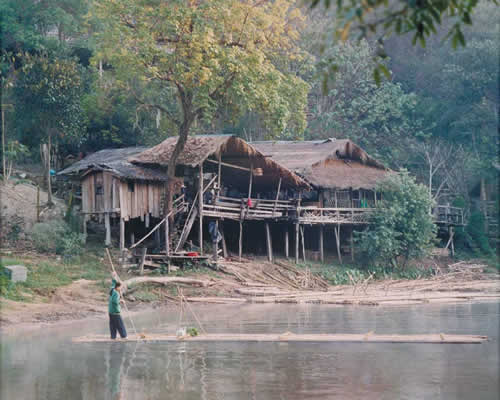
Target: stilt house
114 190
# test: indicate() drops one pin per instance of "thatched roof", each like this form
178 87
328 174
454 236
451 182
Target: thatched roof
200 148
331 163
115 162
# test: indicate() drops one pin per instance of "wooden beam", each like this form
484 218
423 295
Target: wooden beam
225 164
287 243
352 243
277 196
122 233
224 247
269 243
107 224
337 240
303 243
143 260
167 237
321 248
297 243
200 209
240 243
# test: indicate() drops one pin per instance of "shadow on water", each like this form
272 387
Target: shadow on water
47 365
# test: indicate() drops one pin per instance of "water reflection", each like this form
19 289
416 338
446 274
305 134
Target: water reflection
51 367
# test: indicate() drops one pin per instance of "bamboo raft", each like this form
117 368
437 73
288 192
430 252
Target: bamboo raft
370 337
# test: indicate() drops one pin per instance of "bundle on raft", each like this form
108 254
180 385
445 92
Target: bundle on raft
291 337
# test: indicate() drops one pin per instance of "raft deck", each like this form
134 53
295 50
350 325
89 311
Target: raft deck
290 337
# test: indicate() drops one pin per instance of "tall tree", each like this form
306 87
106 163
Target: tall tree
211 55
49 90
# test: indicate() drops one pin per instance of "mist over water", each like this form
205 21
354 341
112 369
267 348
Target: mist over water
46 365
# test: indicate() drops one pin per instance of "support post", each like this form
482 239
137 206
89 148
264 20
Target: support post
200 208
303 243
337 240
269 243
167 237
321 248
296 243
215 242
240 243
132 238
157 238
107 225
38 203
277 196
250 182
122 234
352 244
219 170
85 226
143 260
287 243
224 247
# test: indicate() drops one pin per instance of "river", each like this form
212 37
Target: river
46 365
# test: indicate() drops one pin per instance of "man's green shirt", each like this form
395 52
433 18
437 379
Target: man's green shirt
114 300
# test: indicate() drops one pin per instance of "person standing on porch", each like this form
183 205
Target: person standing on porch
114 309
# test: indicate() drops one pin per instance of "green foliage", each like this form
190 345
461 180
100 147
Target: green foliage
56 237
401 227
209 58
476 232
377 117
192 331
420 19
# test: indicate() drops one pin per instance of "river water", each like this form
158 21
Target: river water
45 365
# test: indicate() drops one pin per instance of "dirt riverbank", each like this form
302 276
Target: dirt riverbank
257 282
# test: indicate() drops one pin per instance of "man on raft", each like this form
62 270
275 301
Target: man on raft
114 309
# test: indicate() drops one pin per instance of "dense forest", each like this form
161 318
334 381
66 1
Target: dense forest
65 82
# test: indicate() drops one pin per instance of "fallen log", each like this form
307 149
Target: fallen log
166 281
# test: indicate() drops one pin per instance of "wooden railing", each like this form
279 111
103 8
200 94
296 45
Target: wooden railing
448 215
317 215
237 209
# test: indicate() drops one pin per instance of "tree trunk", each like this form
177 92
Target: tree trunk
49 183
172 163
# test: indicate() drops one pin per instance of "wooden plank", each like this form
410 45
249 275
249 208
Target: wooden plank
151 198
107 180
85 192
287 242
437 338
107 224
122 234
225 164
269 243
143 259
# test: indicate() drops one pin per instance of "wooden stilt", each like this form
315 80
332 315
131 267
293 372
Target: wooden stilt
269 243
132 238
200 208
122 233
107 241
352 244
167 237
451 233
321 249
240 243
143 260
146 220
287 243
303 243
224 247
296 243
337 240
215 242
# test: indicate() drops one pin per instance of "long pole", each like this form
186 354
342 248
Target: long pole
3 145
124 303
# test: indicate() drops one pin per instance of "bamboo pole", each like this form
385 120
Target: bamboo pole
240 243
200 207
296 243
107 225
167 237
122 234
337 239
287 243
277 196
269 243
321 249
303 243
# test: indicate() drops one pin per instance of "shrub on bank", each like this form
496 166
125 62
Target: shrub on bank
401 226
57 237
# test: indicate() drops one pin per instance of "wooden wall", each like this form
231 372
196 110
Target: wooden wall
103 192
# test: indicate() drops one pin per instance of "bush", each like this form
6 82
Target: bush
57 237
477 234
401 227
